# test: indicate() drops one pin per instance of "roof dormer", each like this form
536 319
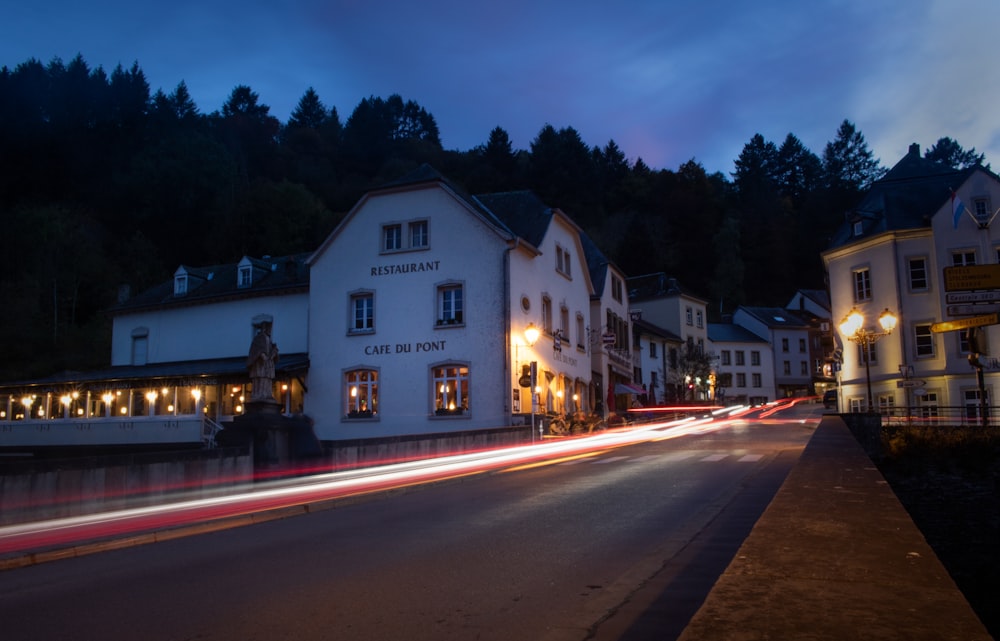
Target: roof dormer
181 281
244 273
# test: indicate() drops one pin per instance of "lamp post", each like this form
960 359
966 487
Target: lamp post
531 335
852 327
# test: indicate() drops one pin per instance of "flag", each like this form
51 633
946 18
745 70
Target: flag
956 209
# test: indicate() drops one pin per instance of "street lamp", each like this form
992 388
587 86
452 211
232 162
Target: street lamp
852 327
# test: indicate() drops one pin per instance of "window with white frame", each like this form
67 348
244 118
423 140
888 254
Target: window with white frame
756 379
419 238
564 322
361 393
563 262
755 358
450 304
741 379
689 316
362 312
918 274
982 210
451 389
740 357
581 332
616 288
726 357
963 258
180 284
547 315
872 354
923 340
699 318
886 404
245 278
392 238
862 285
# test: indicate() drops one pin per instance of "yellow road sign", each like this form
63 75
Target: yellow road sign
965 323
970 277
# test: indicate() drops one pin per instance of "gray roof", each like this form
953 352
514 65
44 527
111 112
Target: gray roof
207 284
656 330
656 285
776 317
730 333
907 197
521 212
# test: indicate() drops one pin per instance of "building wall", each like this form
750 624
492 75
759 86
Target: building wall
765 369
949 378
407 341
219 330
537 275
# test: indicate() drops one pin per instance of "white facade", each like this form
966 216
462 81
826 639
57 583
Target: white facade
744 370
415 367
901 269
788 336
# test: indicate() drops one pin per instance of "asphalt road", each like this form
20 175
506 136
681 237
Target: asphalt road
623 544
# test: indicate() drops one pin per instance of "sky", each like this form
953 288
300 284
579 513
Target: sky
668 80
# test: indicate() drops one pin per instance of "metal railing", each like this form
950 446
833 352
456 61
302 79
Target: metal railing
942 416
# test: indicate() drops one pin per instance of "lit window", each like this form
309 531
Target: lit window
451 389
361 393
362 312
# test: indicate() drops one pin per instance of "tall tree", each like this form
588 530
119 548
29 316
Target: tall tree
951 154
798 171
250 131
848 164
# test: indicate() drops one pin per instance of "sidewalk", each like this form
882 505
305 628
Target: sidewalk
835 556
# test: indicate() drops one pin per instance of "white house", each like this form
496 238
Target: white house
419 304
789 337
923 245
744 372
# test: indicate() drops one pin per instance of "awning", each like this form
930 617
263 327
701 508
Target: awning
627 388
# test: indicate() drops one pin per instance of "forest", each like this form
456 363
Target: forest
108 187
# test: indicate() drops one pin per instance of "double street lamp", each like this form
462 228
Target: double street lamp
853 329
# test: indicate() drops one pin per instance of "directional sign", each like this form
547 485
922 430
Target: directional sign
972 297
974 309
910 383
970 277
965 323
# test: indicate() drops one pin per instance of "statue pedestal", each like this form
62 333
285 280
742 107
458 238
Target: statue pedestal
278 441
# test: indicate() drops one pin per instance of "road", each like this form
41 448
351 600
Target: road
616 544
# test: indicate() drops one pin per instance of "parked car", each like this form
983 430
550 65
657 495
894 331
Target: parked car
830 399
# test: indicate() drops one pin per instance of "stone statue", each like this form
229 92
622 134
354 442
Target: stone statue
262 360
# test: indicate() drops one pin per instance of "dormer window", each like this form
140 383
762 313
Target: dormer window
180 282
244 273
858 228
245 277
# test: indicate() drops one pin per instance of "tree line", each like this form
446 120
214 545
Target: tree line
107 184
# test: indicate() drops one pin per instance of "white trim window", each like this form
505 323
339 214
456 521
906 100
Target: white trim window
361 393
362 313
419 235
451 389
918 274
862 285
451 304
923 340
392 238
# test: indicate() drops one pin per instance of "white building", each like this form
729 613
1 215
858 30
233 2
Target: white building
894 253
410 318
788 336
745 370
